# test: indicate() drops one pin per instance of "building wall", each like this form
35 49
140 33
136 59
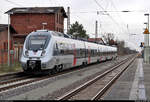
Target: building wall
4 38
4 46
26 23
59 22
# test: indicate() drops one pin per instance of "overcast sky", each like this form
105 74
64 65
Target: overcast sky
123 24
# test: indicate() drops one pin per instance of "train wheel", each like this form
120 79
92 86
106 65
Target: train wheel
84 63
60 68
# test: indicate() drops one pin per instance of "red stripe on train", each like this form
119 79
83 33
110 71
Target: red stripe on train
74 53
74 61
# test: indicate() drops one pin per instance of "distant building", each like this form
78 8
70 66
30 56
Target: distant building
26 20
97 40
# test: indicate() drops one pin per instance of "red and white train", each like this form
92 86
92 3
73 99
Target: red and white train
54 51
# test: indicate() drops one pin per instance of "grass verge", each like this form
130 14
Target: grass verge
9 69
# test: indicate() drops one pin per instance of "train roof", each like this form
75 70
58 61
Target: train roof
59 34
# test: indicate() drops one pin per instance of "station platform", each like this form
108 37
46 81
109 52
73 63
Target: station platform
133 84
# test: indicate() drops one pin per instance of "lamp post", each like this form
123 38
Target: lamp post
8 58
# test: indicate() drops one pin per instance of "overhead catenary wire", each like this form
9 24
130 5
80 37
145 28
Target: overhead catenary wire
100 6
111 1
138 25
94 12
126 11
108 14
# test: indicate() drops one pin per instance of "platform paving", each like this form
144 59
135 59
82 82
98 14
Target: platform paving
133 84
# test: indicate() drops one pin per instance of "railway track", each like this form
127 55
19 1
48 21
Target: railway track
25 80
95 88
20 79
10 76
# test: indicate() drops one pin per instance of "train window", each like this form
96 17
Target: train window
37 42
86 52
92 52
56 50
78 53
82 53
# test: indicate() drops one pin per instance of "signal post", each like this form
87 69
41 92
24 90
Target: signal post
146 47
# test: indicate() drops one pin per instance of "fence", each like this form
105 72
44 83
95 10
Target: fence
14 56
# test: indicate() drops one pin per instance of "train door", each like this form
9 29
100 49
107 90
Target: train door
99 53
89 54
56 53
85 52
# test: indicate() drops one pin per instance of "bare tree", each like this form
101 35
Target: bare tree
122 50
108 38
120 47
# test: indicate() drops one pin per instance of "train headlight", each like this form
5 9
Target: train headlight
43 53
26 53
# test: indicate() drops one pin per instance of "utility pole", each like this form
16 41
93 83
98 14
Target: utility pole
68 19
8 59
96 29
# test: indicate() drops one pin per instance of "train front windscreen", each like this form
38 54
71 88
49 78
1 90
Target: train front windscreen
38 42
